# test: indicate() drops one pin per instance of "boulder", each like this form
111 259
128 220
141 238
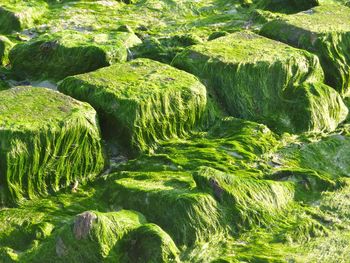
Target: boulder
56 56
47 141
142 101
324 31
266 81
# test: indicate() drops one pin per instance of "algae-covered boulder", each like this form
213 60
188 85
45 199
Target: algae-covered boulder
250 201
141 101
167 199
16 15
286 6
266 81
324 31
47 141
90 237
148 243
68 53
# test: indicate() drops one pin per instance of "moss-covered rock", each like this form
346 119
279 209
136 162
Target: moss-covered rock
142 101
91 236
266 81
48 141
250 201
148 243
167 199
286 6
323 30
67 53
16 15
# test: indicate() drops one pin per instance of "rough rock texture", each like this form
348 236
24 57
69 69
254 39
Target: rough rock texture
55 56
142 101
48 141
324 31
266 81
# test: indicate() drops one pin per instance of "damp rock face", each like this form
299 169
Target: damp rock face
142 101
55 56
17 15
48 141
324 31
263 80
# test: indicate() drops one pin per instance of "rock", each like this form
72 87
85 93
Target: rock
48 140
68 53
266 81
92 236
22 14
83 224
324 31
142 101
147 243
250 201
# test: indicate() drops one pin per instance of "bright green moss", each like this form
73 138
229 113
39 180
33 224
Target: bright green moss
148 243
48 141
16 15
66 53
266 81
142 101
90 236
250 201
5 46
324 31
168 200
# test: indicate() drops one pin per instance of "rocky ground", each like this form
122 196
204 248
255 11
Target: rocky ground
174 131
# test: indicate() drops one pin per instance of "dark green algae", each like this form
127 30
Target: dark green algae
234 192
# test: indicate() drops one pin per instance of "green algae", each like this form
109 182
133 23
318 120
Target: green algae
67 53
290 97
5 46
48 141
148 243
90 236
142 101
16 15
280 198
324 31
190 216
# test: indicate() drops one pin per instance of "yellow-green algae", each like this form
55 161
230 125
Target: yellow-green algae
48 141
266 81
55 56
270 197
142 101
16 15
324 31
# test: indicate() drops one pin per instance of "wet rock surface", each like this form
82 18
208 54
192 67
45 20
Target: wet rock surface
174 131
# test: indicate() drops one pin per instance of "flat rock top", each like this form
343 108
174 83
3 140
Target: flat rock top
29 108
322 19
246 47
140 79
